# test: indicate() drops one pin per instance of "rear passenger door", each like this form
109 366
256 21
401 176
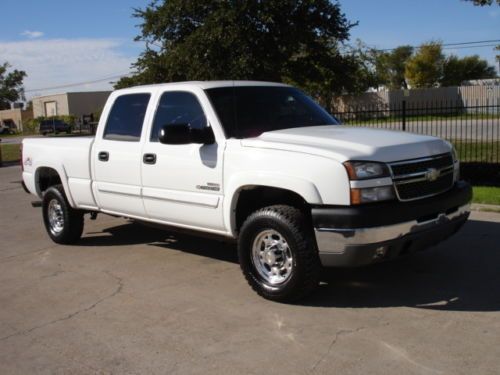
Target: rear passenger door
182 184
117 155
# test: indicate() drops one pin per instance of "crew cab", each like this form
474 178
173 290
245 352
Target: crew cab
259 163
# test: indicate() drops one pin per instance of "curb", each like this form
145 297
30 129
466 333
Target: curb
485 207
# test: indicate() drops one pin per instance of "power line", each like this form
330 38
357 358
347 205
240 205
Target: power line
456 45
481 46
78 83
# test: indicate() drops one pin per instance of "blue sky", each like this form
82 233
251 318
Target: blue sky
63 42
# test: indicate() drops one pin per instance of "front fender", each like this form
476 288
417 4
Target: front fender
238 182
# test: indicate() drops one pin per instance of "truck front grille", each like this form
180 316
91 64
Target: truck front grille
421 178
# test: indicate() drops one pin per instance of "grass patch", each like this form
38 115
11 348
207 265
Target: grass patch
478 151
10 152
486 195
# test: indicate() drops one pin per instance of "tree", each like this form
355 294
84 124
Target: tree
456 70
484 2
11 85
390 67
296 41
425 67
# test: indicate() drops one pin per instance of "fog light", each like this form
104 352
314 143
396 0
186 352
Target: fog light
380 252
372 194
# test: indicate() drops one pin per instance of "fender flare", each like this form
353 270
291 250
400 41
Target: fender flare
240 181
61 171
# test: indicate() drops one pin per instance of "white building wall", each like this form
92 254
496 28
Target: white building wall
59 101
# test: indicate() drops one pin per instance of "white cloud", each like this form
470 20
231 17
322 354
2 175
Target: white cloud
32 34
57 62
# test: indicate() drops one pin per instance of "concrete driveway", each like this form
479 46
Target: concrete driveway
133 300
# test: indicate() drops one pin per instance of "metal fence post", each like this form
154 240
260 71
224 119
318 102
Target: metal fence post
403 114
1 163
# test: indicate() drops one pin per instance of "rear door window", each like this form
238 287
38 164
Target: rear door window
126 118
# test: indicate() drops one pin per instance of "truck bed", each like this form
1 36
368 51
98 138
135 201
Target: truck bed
69 156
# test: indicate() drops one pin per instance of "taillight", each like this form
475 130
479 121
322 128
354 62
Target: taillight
21 157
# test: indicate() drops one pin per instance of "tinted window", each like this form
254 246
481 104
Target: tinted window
250 111
126 118
178 107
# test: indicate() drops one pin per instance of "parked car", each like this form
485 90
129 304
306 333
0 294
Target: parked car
7 127
258 163
54 126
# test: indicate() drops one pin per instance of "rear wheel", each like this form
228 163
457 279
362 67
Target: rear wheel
278 255
64 224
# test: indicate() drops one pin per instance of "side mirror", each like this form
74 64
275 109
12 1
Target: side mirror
182 134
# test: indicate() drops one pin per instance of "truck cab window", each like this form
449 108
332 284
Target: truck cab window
126 118
178 107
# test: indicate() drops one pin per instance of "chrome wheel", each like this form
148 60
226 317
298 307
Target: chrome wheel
56 217
272 257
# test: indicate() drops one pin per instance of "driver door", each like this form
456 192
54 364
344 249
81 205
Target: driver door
182 184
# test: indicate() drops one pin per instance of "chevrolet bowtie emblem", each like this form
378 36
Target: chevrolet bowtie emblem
432 174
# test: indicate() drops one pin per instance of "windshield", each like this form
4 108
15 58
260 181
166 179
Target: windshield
248 111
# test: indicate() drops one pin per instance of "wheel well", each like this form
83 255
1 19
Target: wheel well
252 198
46 177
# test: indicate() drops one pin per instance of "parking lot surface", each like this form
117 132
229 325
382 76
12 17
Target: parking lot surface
128 299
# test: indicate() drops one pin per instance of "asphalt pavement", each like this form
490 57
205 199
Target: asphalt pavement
128 299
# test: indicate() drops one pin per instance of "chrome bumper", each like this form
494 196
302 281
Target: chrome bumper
334 242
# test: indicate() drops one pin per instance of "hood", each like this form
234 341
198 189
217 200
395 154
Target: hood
351 143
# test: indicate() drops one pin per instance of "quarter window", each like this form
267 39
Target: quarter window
126 118
175 108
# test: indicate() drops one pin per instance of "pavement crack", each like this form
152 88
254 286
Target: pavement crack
8 258
342 332
117 290
53 274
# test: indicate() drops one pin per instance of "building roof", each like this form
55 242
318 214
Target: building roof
72 92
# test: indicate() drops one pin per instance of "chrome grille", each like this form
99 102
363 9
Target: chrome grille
421 178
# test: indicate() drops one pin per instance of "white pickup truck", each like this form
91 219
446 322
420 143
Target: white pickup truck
257 162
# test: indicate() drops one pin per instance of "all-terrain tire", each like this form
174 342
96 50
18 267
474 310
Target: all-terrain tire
63 223
290 224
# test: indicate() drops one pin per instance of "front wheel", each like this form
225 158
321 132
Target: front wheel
63 223
278 255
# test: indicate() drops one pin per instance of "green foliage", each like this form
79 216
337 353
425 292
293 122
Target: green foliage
33 125
425 68
294 41
390 67
483 2
10 152
11 85
456 70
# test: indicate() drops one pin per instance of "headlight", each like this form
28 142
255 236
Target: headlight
370 192
362 170
369 195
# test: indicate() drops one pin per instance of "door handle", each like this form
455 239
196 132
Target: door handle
103 156
149 159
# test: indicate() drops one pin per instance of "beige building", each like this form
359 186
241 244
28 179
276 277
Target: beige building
70 103
15 117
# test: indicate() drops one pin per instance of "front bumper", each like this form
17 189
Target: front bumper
387 230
